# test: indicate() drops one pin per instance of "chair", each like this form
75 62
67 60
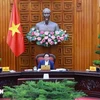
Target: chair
40 57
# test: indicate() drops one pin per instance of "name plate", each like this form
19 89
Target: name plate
92 68
5 69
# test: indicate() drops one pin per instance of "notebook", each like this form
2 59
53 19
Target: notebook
45 67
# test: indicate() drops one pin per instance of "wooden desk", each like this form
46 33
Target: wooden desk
21 80
9 79
52 74
89 82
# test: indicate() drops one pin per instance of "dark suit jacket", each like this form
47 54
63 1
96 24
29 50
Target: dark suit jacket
42 62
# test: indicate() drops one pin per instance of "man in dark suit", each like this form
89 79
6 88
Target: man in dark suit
46 61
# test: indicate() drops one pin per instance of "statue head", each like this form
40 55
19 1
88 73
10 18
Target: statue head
46 10
46 14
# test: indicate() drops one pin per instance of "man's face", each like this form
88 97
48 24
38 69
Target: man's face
46 57
46 16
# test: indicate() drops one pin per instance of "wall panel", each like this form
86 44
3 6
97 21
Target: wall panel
31 13
83 24
81 19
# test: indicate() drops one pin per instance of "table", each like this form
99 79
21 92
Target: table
89 82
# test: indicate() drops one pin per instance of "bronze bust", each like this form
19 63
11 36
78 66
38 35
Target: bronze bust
47 25
47 33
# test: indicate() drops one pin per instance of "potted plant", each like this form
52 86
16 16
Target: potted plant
97 62
43 90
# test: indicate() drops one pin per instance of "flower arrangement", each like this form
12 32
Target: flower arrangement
46 38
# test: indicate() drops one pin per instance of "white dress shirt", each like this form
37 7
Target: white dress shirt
47 62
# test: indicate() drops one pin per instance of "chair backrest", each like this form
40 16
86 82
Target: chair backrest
40 57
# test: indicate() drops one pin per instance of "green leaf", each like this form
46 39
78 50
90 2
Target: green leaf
97 51
38 43
99 36
96 62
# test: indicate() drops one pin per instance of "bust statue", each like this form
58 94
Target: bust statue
46 33
47 25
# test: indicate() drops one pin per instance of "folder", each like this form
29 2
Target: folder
45 67
92 68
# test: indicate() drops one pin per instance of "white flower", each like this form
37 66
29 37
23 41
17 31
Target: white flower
66 35
38 38
49 35
56 32
49 39
37 31
55 43
33 29
36 34
46 32
46 37
53 37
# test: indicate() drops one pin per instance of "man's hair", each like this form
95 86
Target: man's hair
46 10
46 54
